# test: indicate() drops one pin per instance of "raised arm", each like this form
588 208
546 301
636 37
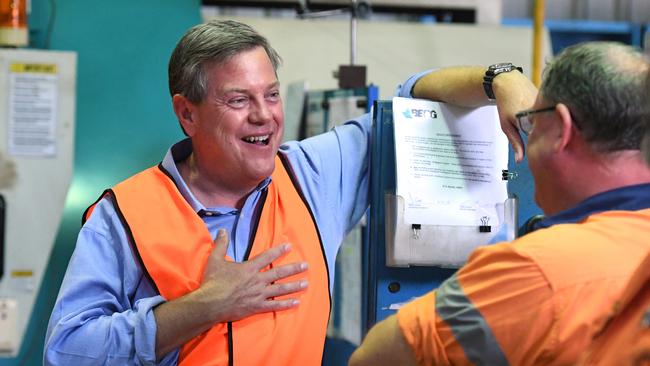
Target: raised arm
463 85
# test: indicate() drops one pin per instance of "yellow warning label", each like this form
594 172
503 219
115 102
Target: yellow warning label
22 273
36 68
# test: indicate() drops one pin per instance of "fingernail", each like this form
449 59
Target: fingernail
303 284
221 232
286 247
295 302
304 266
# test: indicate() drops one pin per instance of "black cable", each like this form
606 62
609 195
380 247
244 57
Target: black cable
50 24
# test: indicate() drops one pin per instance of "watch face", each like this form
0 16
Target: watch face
501 67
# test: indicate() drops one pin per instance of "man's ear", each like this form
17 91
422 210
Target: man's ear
565 129
184 110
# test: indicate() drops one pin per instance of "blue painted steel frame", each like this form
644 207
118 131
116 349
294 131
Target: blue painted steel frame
413 281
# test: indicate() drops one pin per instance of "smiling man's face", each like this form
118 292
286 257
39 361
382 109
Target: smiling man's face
239 125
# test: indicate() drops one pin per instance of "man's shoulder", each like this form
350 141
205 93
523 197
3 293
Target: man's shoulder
601 231
103 220
592 250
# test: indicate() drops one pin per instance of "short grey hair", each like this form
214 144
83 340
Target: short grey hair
606 86
645 145
211 43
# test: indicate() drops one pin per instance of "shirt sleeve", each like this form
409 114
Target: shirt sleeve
334 173
478 315
405 90
104 311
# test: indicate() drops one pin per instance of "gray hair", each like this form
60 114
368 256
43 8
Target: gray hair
211 43
645 145
606 86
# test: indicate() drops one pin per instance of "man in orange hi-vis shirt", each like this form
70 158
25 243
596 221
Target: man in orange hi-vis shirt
542 298
625 340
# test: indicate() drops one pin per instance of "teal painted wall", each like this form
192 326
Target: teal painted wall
124 120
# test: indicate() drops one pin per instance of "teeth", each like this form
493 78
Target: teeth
256 138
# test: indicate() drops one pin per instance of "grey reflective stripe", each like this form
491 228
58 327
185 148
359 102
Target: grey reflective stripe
470 329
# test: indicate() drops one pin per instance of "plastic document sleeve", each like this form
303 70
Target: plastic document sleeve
440 245
450 195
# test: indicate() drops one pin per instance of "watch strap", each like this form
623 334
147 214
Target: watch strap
494 70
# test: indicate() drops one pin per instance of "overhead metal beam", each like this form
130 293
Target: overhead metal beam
463 11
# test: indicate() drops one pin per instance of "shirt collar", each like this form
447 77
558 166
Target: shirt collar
181 151
629 198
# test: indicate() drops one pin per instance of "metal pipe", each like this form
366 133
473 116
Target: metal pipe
538 28
353 32
354 14
574 9
322 14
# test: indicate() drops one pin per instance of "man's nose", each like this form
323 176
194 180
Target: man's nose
261 112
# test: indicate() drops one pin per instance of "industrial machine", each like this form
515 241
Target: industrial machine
37 123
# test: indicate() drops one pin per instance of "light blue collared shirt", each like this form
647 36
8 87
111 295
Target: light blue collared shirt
104 311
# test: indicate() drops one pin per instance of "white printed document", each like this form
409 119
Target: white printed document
33 101
449 163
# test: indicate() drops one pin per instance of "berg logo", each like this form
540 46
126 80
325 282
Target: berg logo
420 113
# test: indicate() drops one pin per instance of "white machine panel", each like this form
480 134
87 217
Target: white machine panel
37 120
8 323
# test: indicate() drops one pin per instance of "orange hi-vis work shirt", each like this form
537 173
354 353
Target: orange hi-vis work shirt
625 340
538 300
174 244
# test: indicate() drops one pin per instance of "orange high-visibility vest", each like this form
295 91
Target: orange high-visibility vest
174 244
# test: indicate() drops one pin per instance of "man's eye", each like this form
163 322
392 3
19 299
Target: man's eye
274 95
237 102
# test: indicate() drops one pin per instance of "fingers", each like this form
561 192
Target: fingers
275 305
284 271
221 244
512 133
517 143
280 289
268 256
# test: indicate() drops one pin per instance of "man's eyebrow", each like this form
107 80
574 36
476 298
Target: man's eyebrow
234 90
274 84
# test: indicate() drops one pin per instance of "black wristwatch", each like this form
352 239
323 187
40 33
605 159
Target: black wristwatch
494 70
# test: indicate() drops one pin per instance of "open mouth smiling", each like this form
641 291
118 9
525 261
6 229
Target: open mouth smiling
257 140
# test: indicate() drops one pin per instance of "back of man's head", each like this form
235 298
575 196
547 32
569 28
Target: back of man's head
606 86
